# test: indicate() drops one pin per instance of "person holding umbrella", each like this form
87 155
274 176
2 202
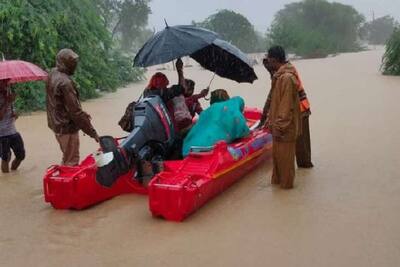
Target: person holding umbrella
173 96
12 72
10 139
64 112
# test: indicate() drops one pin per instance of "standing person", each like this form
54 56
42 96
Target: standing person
10 139
64 112
303 143
283 116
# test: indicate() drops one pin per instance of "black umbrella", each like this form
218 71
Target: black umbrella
203 46
226 60
172 43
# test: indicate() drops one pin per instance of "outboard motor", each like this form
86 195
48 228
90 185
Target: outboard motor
152 137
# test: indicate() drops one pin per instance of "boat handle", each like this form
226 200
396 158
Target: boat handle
201 148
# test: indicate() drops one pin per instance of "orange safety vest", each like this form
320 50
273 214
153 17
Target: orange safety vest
304 103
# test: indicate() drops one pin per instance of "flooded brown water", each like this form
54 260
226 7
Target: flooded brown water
344 212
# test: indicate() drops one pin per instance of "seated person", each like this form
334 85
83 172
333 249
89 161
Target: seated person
223 120
158 86
192 100
173 97
219 95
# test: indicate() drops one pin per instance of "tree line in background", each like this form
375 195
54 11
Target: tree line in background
107 33
127 20
236 29
378 31
313 28
98 30
317 28
309 28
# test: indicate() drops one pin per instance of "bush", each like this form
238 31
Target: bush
31 96
391 58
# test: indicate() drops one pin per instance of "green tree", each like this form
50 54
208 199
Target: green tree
35 30
127 20
235 28
391 58
379 30
316 28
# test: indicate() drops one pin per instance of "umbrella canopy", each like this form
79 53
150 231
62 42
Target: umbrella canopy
172 43
226 60
18 71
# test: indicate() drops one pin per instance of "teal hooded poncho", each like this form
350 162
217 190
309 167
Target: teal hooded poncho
221 121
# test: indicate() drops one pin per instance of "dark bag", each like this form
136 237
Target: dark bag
127 120
182 115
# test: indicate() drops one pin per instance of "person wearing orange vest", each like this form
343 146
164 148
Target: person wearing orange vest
303 143
284 119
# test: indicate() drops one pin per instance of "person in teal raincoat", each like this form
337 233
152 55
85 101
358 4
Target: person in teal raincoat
221 121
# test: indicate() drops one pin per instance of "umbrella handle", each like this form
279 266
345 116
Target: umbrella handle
212 79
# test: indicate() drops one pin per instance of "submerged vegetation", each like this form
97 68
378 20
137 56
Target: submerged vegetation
391 58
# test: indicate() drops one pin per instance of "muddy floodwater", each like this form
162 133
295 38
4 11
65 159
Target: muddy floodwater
344 212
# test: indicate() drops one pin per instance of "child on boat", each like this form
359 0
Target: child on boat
192 100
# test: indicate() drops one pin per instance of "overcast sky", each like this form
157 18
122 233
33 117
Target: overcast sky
259 12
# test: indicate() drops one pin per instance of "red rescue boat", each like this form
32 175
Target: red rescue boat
176 192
